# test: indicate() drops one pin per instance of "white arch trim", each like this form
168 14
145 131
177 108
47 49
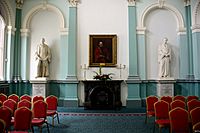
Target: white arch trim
195 25
9 20
176 13
38 8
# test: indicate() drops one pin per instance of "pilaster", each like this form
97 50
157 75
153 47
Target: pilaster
17 42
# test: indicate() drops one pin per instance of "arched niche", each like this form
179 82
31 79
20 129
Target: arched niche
177 28
38 8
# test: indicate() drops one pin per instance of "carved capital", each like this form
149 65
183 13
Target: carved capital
131 2
19 3
74 3
186 2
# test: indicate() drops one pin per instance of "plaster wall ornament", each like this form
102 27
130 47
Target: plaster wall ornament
131 2
19 4
74 3
161 3
186 2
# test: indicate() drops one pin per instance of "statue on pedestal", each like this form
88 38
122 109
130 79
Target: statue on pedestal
164 58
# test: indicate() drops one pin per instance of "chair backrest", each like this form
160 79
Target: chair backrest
189 98
27 97
11 104
150 100
52 102
2 126
179 97
178 103
6 115
3 97
167 99
196 127
14 97
161 110
37 98
23 118
24 103
195 115
40 109
193 104
179 120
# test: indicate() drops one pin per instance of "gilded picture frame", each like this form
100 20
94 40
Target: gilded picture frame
103 50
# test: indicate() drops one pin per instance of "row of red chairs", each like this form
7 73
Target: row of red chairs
152 100
50 101
16 98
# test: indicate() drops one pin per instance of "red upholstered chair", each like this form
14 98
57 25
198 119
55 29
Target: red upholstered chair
1 103
178 103
193 104
179 97
6 115
27 97
150 100
189 98
179 120
195 116
11 104
14 97
22 120
161 114
40 114
167 99
37 98
3 97
52 103
196 127
24 103
2 126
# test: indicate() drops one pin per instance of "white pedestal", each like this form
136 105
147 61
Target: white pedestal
165 87
39 87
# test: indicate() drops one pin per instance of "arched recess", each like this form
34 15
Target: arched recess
175 12
196 15
38 8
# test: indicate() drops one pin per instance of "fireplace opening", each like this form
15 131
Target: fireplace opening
101 97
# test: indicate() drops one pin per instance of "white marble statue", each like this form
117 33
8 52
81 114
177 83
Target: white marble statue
164 58
43 56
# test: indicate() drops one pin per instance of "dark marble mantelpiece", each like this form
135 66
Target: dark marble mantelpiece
102 94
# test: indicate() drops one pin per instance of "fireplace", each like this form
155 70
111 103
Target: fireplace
102 94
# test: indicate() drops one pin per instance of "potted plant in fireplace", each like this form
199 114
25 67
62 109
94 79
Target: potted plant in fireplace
100 76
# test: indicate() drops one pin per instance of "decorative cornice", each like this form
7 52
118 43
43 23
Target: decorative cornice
10 30
131 2
195 28
74 3
19 4
141 30
24 32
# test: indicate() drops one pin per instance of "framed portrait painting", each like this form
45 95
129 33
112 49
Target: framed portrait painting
103 50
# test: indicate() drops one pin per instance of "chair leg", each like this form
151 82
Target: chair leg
58 118
52 120
48 127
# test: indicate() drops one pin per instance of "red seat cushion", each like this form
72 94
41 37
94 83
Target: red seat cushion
37 122
51 112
